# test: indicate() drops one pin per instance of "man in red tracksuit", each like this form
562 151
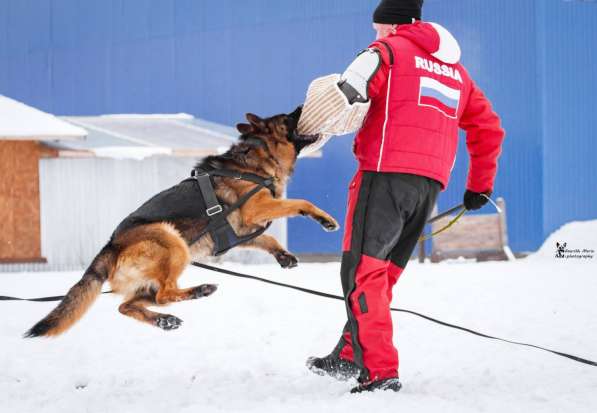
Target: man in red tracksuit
420 96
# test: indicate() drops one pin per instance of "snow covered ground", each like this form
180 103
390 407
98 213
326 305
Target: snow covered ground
243 349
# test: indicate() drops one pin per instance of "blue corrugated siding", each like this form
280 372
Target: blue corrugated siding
569 115
497 39
219 59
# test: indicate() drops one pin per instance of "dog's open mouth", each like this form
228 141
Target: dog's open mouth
305 139
302 141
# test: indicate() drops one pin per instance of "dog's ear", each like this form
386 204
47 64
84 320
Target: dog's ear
245 128
257 122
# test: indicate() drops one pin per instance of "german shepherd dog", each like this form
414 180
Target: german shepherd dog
143 260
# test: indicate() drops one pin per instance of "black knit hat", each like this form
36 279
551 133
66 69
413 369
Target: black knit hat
397 11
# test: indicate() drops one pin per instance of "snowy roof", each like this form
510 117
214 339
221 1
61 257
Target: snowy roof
133 136
21 122
139 136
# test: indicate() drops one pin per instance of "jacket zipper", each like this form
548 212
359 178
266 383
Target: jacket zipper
385 122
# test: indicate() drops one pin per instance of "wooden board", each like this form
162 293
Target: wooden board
19 201
482 236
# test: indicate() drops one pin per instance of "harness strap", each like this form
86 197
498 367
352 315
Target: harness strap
212 205
225 238
218 226
244 176
229 209
222 232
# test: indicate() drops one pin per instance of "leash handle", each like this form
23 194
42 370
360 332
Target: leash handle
461 209
439 231
446 213
493 203
458 208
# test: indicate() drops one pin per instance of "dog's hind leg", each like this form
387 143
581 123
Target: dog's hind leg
168 291
136 308
271 245
152 259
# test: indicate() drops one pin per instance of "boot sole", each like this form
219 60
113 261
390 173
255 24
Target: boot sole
337 376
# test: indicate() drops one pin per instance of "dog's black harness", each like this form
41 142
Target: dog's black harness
219 228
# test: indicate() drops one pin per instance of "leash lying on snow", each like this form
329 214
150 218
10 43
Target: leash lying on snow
460 209
400 310
336 297
41 299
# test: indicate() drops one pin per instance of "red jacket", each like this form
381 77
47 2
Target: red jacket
419 98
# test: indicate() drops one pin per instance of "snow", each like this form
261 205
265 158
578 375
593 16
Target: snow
243 349
579 235
173 116
130 152
19 121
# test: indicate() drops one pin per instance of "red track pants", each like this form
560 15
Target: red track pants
385 217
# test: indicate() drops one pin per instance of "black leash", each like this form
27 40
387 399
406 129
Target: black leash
41 299
460 208
335 297
444 214
400 310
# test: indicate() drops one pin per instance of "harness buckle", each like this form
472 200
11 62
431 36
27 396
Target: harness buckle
216 209
197 174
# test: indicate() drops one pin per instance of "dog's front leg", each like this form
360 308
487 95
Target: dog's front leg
261 210
271 245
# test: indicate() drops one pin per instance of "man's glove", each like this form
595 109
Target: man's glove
475 200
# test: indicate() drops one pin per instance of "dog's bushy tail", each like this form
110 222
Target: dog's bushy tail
79 298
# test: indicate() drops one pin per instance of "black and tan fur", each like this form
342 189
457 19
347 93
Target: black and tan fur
143 263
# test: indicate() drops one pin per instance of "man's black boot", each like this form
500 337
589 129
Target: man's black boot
385 384
334 366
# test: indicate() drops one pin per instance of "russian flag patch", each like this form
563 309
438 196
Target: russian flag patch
438 96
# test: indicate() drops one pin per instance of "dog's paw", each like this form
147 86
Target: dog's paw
168 322
329 224
286 259
204 290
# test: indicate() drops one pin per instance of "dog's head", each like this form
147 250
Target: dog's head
279 130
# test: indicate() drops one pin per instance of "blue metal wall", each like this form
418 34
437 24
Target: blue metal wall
218 59
567 40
